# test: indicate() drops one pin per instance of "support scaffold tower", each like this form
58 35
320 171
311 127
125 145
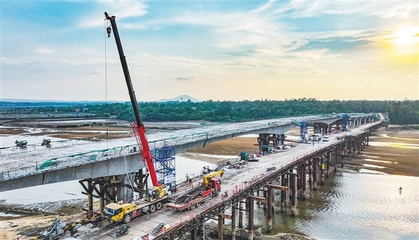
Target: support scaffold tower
164 159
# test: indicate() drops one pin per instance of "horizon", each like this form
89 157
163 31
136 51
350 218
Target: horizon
220 51
177 98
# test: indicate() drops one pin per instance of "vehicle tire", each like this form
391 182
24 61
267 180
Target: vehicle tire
198 204
127 218
152 208
193 206
215 193
159 205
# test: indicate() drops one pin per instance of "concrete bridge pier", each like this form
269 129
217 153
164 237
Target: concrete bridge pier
123 193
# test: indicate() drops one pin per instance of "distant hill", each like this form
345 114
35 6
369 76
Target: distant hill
181 98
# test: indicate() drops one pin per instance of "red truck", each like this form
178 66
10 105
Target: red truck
194 197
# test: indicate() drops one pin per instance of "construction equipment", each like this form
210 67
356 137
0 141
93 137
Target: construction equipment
138 126
194 197
124 229
245 156
156 197
59 228
125 212
207 178
114 212
55 231
46 142
21 143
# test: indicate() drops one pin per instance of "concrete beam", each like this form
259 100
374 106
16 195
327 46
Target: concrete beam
110 167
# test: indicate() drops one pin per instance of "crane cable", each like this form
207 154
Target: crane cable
106 81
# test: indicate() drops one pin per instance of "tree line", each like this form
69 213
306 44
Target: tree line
399 112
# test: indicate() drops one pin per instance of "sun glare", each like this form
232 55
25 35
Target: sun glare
406 36
402 45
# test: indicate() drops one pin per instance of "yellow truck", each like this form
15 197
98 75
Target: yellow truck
115 212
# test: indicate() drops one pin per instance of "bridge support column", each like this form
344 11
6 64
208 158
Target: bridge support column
270 209
240 215
220 227
329 156
193 234
300 181
120 190
283 193
293 197
353 146
322 168
336 160
89 192
251 208
343 158
315 169
303 181
233 222
310 172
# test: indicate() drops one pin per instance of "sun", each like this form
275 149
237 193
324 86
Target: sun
406 36
402 45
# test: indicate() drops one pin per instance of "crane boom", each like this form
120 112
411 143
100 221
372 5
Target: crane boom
138 126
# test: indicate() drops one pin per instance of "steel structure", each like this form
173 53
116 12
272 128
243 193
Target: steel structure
165 163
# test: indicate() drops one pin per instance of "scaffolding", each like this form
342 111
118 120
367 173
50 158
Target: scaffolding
164 159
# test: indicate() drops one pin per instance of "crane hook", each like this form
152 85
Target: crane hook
109 30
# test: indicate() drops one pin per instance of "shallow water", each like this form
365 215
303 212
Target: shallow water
357 206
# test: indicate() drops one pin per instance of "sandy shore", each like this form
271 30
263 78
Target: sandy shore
401 157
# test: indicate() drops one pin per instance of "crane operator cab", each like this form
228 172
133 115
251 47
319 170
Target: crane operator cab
157 193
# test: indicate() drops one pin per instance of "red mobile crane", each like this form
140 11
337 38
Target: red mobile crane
138 126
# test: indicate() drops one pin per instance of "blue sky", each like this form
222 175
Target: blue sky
219 50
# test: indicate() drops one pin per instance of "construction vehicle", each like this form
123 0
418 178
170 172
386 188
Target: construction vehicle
248 157
155 198
125 212
46 142
21 143
194 197
55 231
59 228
